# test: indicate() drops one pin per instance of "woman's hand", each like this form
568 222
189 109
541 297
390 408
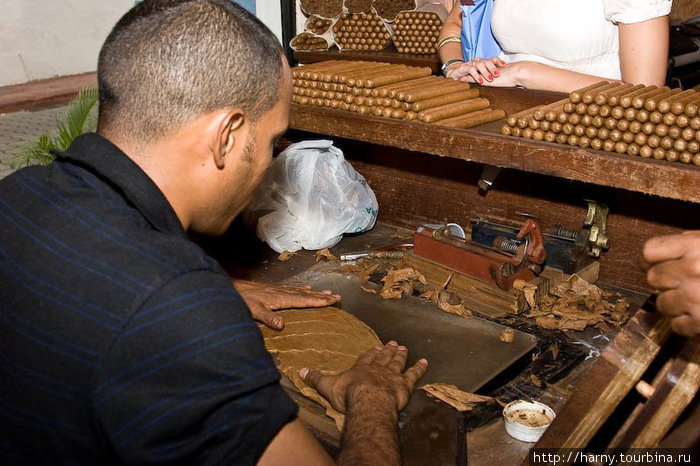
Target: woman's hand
478 70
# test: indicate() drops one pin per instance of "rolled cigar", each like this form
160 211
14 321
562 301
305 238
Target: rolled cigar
627 99
680 145
364 110
601 97
623 125
444 99
610 123
627 137
643 115
577 95
659 153
574 118
473 119
634 127
591 132
562 117
350 76
505 129
646 152
682 121
640 139
653 141
569 107
648 128
666 143
433 91
669 119
584 142
678 106
639 101
661 130
579 130
617 112
615 135
683 157
632 149
389 79
597 121
630 114
652 103
394 73
567 128
555 127
410 116
550 136
674 132
694 123
517 132
512 119
696 160
672 155
615 96
386 112
656 117
603 133
621 147
665 104
377 111
539 112
538 135
545 125
581 108
596 144
589 96
572 140
453 109
534 124
593 109
604 110
608 145
527 133
693 147
561 138
391 89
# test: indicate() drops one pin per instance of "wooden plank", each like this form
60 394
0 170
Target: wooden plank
611 378
44 92
485 145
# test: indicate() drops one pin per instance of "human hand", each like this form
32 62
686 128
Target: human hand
478 70
673 268
377 375
265 298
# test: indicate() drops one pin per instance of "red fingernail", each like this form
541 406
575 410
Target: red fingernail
481 80
495 73
503 63
489 77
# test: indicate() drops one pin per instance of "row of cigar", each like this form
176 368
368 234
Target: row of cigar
308 41
647 121
391 91
416 32
317 25
361 31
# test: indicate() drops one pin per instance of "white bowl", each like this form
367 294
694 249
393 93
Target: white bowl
527 420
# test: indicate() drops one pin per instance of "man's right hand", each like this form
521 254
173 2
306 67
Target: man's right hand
378 373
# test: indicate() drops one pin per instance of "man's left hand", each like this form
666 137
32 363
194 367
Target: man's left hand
265 298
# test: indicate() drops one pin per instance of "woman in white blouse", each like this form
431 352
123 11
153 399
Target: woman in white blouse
562 45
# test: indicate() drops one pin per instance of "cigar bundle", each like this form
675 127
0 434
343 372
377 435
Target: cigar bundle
308 41
417 32
317 25
323 8
647 121
389 9
391 91
361 31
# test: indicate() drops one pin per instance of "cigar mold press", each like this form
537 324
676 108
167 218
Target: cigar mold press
499 264
569 250
646 121
391 91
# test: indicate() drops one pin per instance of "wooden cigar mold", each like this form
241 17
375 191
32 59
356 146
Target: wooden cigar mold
637 120
394 91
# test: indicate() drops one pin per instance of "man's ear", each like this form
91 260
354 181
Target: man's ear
226 135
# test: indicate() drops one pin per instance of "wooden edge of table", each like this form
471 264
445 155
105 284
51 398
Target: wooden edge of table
485 145
44 92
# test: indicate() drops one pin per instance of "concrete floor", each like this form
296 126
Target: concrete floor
21 128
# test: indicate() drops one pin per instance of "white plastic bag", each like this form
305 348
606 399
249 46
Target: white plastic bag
310 197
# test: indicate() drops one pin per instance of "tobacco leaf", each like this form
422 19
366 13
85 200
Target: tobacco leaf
453 396
507 335
326 255
285 256
535 381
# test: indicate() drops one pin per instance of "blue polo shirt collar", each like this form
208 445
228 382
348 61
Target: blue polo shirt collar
98 155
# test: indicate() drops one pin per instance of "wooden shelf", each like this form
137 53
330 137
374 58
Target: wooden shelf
484 144
388 55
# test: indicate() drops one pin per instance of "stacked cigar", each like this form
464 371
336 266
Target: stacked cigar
648 121
307 41
361 31
416 32
324 8
391 91
389 9
317 25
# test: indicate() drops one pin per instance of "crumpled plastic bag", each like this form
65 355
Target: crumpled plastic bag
310 197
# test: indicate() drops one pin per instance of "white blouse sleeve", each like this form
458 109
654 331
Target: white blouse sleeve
635 11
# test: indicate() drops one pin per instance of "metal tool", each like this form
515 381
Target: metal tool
499 264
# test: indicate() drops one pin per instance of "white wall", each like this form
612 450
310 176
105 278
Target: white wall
45 38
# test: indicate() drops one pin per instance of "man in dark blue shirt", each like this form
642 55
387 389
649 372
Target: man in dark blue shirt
121 341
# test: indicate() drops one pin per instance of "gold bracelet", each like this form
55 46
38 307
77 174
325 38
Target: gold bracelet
447 40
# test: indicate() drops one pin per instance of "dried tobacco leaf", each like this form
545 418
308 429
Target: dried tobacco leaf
326 255
285 256
453 396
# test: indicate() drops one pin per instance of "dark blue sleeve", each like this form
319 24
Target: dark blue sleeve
189 380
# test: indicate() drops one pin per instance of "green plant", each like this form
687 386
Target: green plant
78 120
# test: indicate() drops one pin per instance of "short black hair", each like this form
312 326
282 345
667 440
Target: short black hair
167 62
